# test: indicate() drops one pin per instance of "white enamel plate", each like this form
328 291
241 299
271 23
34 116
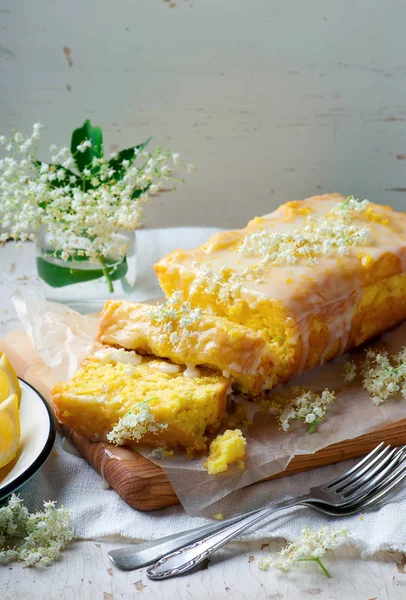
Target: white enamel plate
37 439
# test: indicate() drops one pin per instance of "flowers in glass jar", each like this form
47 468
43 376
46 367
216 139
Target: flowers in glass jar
81 193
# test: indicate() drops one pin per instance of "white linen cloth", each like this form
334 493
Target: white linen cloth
99 513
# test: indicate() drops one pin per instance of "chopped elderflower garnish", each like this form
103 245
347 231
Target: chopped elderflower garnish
312 545
350 371
174 314
383 379
307 406
160 453
327 236
138 421
157 454
33 538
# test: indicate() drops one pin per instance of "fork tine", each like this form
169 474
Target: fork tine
363 465
385 488
397 471
368 472
377 495
363 491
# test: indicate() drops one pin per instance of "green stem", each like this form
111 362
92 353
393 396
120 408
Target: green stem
344 204
318 561
312 426
106 274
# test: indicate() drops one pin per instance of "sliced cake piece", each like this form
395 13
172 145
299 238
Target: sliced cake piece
317 277
190 336
173 409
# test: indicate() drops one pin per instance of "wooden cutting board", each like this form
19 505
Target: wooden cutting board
137 480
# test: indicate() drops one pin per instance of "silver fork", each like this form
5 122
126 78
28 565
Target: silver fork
362 486
135 557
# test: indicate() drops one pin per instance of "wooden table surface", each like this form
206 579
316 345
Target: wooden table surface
85 572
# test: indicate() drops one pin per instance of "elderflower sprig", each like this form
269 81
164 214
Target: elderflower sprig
174 318
82 197
350 371
312 545
306 406
383 378
352 206
33 538
138 421
333 235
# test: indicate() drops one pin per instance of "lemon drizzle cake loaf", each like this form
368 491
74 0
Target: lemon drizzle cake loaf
190 336
316 277
173 409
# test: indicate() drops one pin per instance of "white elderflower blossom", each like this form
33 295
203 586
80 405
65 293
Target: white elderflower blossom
138 421
36 131
174 314
351 207
383 379
82 147
312 545
334 235
33 538
326 237
350 371
306 406
82 217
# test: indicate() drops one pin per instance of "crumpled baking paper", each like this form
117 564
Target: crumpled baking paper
63 338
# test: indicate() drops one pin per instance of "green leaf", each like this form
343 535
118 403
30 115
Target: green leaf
129 154
137 193
84 159
57 276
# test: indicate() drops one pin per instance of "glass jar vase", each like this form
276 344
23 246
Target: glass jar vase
80 283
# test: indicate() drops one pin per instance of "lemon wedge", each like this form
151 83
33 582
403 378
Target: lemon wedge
9 383
10 396
9 429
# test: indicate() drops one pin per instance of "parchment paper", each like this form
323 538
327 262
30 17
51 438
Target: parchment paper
63 338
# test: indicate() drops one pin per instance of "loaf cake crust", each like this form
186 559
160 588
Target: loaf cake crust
312 300
240 353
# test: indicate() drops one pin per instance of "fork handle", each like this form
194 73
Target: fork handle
146 553
187 558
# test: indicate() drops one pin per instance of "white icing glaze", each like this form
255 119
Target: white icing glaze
116 355
191 371
226 374
165 367
330 287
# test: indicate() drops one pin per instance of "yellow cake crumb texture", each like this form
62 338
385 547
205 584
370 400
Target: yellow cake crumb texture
101 393
190 336
252 308
226 449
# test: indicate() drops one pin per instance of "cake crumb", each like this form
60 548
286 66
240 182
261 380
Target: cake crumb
226 449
